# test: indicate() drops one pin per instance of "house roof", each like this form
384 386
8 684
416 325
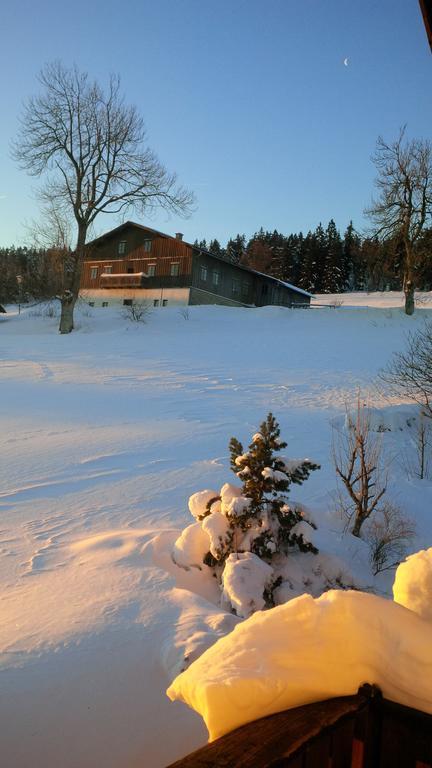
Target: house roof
276 280
426 9
125 224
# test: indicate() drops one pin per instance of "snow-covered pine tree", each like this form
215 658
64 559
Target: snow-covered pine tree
266 478
245 533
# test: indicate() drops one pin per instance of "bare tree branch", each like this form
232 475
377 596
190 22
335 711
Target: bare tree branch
91 148
357 459
403 206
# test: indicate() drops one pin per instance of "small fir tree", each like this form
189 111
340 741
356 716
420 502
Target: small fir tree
266 478
249 529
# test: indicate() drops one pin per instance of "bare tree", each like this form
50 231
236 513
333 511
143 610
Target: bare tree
403 207
417 463
409 373
357 460
92 146
388 536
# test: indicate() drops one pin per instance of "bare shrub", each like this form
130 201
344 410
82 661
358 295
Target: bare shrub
357 458
409 373
138 312
388 536
45 309
420 465
184 313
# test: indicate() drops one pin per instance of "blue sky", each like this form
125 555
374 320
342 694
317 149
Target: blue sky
248 101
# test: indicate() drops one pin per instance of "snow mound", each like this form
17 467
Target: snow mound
198 502
244 579
309 650
413 583
190 547
216 527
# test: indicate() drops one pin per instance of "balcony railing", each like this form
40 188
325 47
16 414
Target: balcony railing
123 280
361 731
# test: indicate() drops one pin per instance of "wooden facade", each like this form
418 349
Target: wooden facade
361 731
133 263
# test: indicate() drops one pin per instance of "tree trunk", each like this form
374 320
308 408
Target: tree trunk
357 525
72 280
409 297
408 282
67 308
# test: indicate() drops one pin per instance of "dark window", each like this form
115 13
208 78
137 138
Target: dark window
127 302
151 270
235 287
122 247
104 303
203 273
155 302
147 245
130 270
164 302
91 303
175 268
216 277
245 290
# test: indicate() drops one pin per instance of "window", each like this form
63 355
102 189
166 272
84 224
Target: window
155 302
130 270
235 287
108 270
147 245
245 290
216 277
151 270
127 302
122 247
164 302
203 273
175 269
104 303
91 303
93 273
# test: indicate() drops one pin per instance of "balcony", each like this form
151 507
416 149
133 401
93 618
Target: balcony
123 280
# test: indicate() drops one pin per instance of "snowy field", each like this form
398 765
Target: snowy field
105 434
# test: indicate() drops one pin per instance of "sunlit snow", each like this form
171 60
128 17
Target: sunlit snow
106 433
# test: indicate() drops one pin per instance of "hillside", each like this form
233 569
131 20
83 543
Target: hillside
105 435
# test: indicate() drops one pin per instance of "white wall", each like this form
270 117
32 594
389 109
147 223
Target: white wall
176 297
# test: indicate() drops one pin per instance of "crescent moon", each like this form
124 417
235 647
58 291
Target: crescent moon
346 62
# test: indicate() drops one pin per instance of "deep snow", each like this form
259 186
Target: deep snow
310 650
105 435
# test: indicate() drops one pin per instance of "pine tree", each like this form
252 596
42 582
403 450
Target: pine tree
352 263
266 478
216 248
333 271
235 249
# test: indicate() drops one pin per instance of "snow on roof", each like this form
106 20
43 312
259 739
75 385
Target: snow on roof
282 282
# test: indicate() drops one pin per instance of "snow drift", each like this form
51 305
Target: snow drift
309 650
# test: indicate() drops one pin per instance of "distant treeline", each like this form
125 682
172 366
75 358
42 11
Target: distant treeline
322 261
31 273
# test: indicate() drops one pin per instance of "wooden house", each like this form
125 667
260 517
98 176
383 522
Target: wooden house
134 264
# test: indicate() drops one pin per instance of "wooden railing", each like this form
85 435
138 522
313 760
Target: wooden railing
122 280
361 731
